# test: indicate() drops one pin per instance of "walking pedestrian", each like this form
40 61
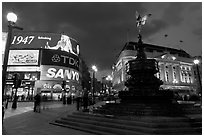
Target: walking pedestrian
7 100
78 100
37 100
85 98
44 102
69 99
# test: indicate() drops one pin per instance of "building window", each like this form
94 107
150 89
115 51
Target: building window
190 77
186 76
174 75
148 50
167 76
159 51
159 73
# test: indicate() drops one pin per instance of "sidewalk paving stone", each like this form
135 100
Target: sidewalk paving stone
31 123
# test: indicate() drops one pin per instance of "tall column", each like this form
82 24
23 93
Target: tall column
162 74
170 68
178 72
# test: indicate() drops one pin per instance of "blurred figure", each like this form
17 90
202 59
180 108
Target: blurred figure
44 100
78 100
85 98
37 101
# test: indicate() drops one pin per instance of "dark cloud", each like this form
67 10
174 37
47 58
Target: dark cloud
198 33
154 27
172 15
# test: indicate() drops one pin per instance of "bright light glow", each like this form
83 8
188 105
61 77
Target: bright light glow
196 61
109 78
94 68
12 17
173 58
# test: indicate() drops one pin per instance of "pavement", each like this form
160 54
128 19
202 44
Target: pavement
23 121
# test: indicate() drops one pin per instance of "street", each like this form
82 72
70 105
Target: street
23 121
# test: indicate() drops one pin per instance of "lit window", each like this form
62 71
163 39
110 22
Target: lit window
174 77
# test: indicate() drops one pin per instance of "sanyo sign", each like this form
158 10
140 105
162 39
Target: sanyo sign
67 74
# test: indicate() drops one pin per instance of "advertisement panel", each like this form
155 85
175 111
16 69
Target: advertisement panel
23 57
59 58
45 40
58 73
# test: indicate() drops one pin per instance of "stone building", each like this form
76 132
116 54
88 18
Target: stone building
176 67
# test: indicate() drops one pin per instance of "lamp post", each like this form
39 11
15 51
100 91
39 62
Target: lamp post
12 18
196 62
94 68
109 79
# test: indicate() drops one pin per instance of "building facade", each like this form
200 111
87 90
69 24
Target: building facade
43 61
176 67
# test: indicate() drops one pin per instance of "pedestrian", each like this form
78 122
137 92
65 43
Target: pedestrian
69 99
37 100
58 97
85 98
6 101
78 100
44 102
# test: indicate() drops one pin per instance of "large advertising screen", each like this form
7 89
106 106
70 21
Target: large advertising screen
22 39
23 57
59 58
59 73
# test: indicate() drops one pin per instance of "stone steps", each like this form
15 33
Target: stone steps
196 121
136 110
148 109
100 124
93 127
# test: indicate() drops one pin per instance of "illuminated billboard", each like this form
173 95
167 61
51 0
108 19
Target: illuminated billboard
58 73
54 41
23 57
59 58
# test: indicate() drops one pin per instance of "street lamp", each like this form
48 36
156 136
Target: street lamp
109 79
12 18
94 68
196 62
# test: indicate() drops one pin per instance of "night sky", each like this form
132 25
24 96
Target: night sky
102 28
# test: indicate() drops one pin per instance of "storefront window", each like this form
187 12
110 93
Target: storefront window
27 76
9 76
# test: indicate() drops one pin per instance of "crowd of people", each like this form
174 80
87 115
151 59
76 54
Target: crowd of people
83 101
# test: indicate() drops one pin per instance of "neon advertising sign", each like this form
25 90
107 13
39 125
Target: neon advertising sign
59 73
45 40
59 58
63 74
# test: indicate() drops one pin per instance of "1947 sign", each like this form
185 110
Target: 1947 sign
52 41
20 39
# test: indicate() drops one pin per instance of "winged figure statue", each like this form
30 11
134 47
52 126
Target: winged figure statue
141 20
